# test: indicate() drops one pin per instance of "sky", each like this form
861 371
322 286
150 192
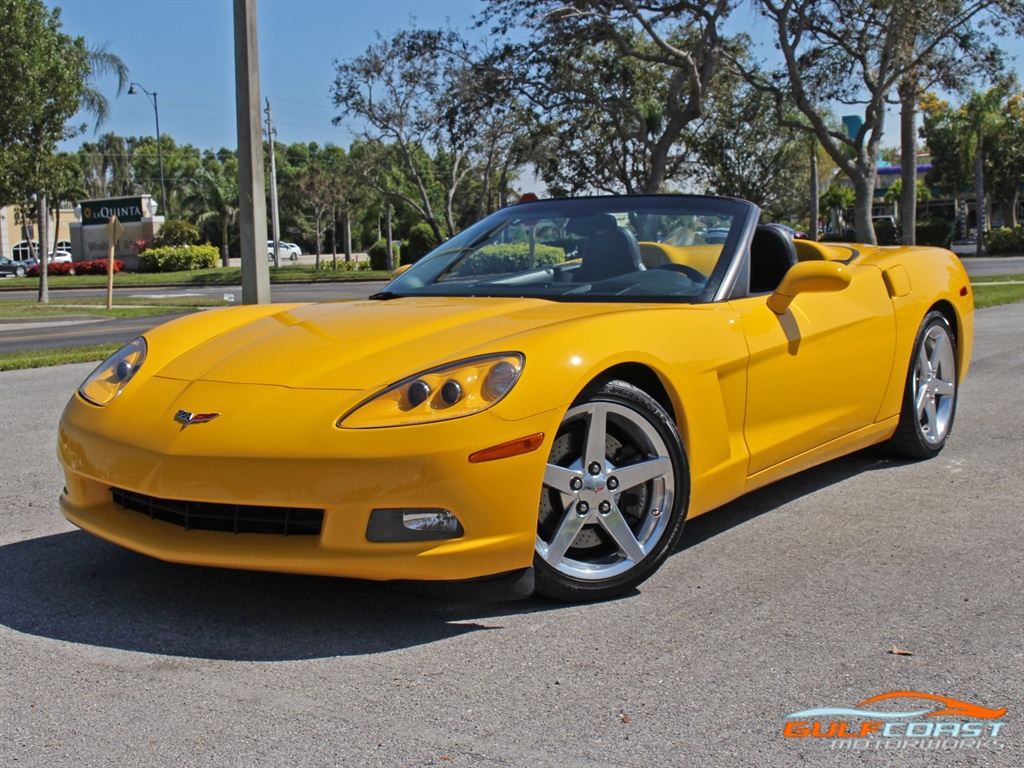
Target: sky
183 50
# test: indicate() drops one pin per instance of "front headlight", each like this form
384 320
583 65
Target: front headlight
449 392
107 381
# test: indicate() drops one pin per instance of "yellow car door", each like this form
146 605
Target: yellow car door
818 370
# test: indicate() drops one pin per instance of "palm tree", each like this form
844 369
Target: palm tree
102 62
982 112
216 197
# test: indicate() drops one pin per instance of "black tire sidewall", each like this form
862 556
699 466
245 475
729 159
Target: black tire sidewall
553 583
909 440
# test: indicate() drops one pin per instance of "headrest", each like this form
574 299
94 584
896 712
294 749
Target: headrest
592 225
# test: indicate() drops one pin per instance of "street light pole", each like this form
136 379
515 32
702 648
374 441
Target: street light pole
159 149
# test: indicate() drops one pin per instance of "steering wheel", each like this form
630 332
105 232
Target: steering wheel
694 274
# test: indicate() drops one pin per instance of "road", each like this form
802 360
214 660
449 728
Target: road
788 599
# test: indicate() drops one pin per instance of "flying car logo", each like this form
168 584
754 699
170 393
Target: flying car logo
186 418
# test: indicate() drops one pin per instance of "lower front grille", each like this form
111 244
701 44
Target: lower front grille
228 518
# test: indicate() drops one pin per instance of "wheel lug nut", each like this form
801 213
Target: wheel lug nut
595 468
604 507
613 483
576 483
655 512
582 508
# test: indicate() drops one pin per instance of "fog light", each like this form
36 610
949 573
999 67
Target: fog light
412 524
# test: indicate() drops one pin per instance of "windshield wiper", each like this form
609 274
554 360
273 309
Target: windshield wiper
384 296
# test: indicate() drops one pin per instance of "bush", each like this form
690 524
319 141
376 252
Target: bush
179 259
96 267
887 232
364 266
419 243
378 254
176 233
509 257
935 231
1005 240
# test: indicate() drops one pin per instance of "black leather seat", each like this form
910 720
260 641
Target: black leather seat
609 251
772 253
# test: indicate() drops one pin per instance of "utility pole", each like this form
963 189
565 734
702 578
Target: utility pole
275 223
252 201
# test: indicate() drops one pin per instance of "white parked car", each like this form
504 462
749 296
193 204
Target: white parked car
60 257
288 250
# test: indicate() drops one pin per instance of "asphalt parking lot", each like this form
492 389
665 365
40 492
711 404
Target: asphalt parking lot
789 599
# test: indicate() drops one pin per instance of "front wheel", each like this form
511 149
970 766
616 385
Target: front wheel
929 399
614 498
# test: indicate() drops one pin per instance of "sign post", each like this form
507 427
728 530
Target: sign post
114 230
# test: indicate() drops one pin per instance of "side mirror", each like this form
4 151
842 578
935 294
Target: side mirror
400 270
808 277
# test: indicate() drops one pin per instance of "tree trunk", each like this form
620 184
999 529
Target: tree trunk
334 237
815 203
863 190
979 196
390 253
319 246
42 257
225 253
908 157
346 224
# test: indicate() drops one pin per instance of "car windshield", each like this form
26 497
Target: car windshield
638 248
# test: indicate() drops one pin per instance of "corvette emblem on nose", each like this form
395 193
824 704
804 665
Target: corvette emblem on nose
186 417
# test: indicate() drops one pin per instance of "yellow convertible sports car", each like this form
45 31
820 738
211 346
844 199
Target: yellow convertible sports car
540 403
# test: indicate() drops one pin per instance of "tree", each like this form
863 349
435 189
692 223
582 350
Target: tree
214 195
742 151
42 79
394 87
837 200
102 62
854 53
956 60
620 82
979 144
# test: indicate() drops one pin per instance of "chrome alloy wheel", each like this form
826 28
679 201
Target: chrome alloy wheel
935 384
609 491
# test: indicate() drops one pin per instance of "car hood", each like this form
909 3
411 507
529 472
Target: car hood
362 344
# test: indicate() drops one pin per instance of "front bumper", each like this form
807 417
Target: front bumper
241 458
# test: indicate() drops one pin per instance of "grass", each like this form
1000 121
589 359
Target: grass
42 358
214 276
1000 292
16 309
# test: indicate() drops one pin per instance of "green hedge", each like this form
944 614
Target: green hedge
176 232
179 259
420 241
1005 240
509 257
935 231
378 254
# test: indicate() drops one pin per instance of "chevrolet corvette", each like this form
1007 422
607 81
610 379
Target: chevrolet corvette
537 405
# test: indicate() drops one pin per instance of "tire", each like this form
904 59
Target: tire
930 394
614 496
19 271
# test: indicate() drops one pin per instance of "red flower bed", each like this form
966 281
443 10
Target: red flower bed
95 267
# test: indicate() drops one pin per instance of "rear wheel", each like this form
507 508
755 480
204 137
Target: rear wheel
614 498
929 398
